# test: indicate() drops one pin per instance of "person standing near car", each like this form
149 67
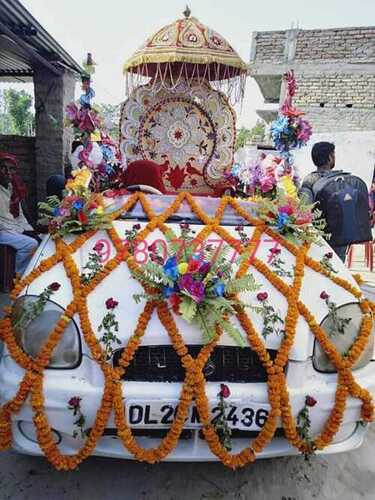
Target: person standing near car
341 197
13 223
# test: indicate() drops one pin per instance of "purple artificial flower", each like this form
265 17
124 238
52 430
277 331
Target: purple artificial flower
194 288
72 112
304 132
205 267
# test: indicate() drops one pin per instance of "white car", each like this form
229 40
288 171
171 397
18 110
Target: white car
153 381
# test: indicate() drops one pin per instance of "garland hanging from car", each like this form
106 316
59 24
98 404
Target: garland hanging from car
193 386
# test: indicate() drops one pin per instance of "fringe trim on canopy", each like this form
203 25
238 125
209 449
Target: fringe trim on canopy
229 80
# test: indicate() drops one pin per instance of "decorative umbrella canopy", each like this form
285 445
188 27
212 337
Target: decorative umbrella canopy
187 50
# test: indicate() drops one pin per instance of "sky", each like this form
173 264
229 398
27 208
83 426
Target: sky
113 29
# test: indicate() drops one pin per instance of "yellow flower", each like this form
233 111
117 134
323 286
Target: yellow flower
99 210
288 186
182 268
82 177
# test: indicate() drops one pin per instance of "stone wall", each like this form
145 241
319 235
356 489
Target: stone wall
24 149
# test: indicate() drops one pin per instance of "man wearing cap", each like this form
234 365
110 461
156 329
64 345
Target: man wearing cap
13 223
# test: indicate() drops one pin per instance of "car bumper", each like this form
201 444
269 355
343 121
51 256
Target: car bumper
60 386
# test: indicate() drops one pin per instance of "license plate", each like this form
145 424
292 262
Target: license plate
247 417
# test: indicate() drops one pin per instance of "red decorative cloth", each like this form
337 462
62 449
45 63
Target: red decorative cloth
19 191
145 172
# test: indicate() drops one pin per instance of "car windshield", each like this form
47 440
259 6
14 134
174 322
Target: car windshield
160 203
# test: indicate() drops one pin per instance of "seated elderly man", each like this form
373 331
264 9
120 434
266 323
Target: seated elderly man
13 223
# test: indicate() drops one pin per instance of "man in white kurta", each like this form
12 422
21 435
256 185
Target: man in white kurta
12 228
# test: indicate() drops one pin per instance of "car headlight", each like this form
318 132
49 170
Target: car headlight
32 336
343 342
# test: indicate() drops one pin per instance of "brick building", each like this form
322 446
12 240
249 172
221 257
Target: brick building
29 54
335 70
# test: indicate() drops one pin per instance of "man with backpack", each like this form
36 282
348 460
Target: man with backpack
341 197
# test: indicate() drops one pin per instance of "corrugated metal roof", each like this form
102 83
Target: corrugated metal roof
16 59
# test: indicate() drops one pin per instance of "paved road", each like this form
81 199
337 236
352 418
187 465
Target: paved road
348 476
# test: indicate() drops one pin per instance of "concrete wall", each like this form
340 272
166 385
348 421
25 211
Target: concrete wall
24 149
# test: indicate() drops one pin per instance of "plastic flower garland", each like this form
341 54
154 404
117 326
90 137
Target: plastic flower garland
193 387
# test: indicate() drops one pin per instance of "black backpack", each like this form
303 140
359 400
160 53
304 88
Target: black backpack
343 200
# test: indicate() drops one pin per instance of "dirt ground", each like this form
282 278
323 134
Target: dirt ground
348 476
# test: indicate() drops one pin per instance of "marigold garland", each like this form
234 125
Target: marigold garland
193 386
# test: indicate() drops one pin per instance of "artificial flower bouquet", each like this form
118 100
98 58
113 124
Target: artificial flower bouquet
197 284
290 130
79 211
263 178
293 218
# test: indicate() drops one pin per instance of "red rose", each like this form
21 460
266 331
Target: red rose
224 391
193 265
153 247
262 296
136 227
275 251
98 246
82 217
54 286
175 300
111 303
74 402
310 401
324 295
329 255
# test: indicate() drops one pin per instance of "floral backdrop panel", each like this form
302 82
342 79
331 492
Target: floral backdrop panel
189 131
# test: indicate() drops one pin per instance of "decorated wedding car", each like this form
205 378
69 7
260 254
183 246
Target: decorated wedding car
183 325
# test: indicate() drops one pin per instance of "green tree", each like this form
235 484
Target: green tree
255 134
16 116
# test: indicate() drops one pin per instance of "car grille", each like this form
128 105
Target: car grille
226 364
